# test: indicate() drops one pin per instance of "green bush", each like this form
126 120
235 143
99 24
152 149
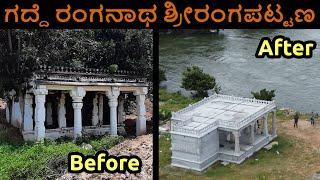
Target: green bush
194 79
113 68
264 94
105 142
164 114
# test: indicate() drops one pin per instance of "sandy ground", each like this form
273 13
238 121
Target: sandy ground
140 146
306 132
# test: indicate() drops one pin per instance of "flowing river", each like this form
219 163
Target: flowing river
230 57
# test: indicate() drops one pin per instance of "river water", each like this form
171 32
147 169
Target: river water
230 58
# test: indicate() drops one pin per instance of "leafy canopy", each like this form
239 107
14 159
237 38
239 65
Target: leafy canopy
194 79
264 94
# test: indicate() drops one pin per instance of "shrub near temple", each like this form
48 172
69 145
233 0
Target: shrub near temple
195 79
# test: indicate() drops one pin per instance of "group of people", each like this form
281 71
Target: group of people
313 117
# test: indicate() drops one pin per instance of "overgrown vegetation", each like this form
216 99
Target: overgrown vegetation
195 80
22 50
264 94
21 160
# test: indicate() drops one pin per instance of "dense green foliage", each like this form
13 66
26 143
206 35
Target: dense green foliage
21 160
264 94
194 79
22 50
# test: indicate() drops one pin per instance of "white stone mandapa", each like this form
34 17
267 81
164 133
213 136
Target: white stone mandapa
77 95
40 112
28 113
49 121
16 116
62 111
200 133
95 111
113 104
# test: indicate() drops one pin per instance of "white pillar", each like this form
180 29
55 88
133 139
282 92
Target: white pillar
141 123
265 129
236 141
252 127
274 123
8 111
77 95
40 112
95 111
28 113
49 121
121 113
101 109
16 117
62 111
113 104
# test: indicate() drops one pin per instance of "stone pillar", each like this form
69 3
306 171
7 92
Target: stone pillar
101 109
62 111
40 112
49 121
77 95
113 104
274 123
28 113
252 126
121 113
8 111
236 135
141 123
95 111
265 128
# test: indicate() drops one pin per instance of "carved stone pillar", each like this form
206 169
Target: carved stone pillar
101 109
236 141
28 113
62 111
141 123
95 111
252 139
8 111
77 95
274 123
113 104
121 113
265 128
40 112
49 121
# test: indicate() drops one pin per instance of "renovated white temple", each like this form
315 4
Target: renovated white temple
221 127
70 101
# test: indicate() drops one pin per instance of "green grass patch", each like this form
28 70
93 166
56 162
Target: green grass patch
48 160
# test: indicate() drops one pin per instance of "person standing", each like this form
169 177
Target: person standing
312 118
296 120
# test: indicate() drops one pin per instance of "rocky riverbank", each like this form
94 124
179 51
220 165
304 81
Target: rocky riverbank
140 146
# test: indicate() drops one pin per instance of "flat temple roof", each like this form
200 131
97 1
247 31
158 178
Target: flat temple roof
222 111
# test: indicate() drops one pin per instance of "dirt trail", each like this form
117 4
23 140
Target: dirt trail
306 132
